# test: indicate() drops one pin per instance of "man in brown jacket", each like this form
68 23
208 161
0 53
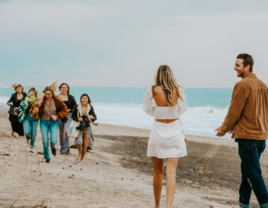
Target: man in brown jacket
247 120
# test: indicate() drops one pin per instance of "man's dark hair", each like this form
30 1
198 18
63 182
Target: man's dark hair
247 60
89 101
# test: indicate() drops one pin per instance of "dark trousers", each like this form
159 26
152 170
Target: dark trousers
250 153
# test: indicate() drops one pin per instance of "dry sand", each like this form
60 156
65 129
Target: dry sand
117 173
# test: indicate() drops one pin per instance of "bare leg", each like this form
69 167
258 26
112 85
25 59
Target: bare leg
84 146
171 180
79 153
157 181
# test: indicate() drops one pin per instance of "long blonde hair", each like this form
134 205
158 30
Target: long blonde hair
165 78
52 88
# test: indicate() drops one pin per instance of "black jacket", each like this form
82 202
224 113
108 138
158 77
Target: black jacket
91 112
71 103
14 100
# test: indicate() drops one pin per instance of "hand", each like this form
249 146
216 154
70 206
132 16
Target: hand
9 104
35 110
54 118
220 132
15 109
69 110
231 130
80 119
91 117
66 130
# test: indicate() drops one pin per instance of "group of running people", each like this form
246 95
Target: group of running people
54 114
246 120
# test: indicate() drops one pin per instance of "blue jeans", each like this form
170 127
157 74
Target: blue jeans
64 139
250 153
52 127
30 128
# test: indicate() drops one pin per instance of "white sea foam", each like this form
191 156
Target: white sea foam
4 99
196 120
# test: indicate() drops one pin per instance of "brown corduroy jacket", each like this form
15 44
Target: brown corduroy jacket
248 111
62 110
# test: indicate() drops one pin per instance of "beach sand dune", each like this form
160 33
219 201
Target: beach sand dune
116 173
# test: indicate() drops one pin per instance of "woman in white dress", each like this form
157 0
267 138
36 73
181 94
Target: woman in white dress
165 100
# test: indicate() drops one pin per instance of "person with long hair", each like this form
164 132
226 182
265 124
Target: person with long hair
70 102
29 125
15 100
165 101
81 112
51 110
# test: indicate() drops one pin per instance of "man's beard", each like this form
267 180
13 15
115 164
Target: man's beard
241 74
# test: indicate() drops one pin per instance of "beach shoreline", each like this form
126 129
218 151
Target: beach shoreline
120 112
115 170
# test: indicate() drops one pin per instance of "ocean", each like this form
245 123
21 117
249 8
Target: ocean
207 107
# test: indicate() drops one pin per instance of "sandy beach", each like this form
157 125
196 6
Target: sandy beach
117 173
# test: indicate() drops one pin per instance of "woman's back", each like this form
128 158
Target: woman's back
161 101
160 97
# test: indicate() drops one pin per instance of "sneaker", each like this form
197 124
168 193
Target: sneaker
47 161
27 142
31 150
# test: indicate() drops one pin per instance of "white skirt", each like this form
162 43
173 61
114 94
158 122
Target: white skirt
166 141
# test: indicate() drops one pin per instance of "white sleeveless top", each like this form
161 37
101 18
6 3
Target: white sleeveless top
150 107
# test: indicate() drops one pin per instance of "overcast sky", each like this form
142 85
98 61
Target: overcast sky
121 43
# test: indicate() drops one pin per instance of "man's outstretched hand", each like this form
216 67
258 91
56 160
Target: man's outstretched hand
231 130
220 132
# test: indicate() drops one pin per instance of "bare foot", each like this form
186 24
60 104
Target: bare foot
77 157
12 133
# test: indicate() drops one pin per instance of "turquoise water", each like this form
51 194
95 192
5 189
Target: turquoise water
206 111
196 97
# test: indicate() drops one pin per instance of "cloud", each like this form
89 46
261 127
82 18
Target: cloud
122 43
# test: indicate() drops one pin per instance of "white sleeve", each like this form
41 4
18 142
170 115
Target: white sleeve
180 122
182 102
148 106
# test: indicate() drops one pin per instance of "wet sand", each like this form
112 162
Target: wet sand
117 173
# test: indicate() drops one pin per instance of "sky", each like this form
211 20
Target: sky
121 43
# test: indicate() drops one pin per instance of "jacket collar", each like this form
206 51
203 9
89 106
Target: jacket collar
79 107
56 99
251 75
